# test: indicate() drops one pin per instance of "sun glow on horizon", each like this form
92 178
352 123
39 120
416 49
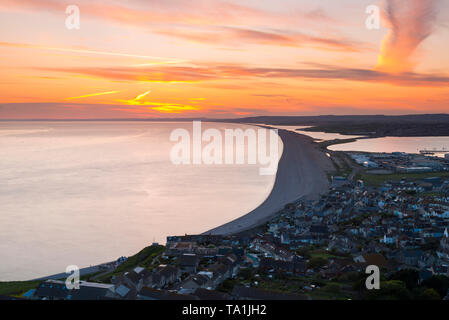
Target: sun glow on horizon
241 59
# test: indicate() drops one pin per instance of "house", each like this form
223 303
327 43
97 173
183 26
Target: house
57 290
319 230
252 259
337 267
204 294
188 263
410 257
194 282
200 238
135 278
278 266
124 292
232 263
219 273
163 276
52 290
154 294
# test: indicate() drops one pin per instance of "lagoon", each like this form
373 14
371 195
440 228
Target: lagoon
395 144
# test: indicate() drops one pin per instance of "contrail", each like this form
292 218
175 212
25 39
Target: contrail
93 95
140 96
410 23
162 60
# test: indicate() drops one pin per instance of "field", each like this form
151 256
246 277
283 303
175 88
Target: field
144 258
17 288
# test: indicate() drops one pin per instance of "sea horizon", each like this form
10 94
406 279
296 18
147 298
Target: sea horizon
72 201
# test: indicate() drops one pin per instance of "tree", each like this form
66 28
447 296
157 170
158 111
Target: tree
408 276
431 294
389 290
352 276
304 252
316 262
439 283
332 287
246 274
227 285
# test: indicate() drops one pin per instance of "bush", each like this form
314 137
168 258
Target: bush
431 294
227 285
408 276
316 262
332 287
246 274
390 290
143 258
16 288
304 252
439 283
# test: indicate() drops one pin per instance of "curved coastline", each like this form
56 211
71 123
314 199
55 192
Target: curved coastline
301 174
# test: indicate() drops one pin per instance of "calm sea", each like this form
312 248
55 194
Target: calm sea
83 193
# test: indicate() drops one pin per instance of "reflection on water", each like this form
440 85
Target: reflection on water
320 136
395 144
387 144
85 193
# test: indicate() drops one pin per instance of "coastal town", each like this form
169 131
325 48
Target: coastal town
387 210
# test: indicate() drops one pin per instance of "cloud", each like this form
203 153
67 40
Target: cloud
237 35
410 23
91 111
193 12
172 107
150 60
202 73
265 95
214 21
144 74
162 107
92 95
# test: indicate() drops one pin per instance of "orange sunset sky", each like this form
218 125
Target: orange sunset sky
222 58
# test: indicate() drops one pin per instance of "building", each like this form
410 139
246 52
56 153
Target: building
57 290
188 263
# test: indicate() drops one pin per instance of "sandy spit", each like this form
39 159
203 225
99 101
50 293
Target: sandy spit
301 174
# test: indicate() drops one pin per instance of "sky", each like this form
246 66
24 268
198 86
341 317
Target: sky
221 58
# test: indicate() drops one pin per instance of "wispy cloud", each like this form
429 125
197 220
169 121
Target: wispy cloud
141 96
155 60
173 108
192 12
200 73
92 95
237 36
410 23
179 18
162 107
